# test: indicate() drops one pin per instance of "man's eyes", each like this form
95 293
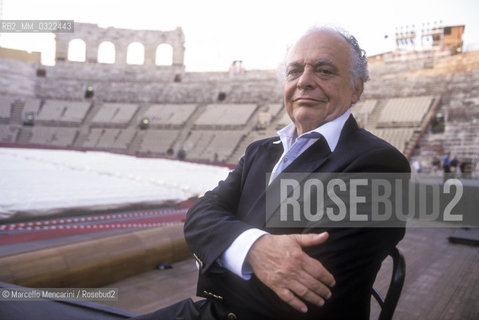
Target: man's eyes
294 71
293 74
320 71
324 71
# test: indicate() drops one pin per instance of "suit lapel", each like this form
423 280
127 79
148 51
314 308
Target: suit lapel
263 162
314 159
267 157
309 161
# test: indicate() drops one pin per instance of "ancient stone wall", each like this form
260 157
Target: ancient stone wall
93 36
17 78
148 82
155 85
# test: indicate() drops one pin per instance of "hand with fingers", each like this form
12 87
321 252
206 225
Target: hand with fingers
281 264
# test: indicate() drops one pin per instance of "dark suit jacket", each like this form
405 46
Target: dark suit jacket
352 255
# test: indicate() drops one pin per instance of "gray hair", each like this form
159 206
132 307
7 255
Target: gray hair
359 61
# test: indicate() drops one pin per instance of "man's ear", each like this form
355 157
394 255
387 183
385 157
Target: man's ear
358 91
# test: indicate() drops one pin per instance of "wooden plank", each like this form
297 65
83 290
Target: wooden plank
96 262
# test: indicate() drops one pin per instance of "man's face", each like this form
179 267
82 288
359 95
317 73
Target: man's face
318 85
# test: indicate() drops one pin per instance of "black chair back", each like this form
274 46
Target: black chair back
388 304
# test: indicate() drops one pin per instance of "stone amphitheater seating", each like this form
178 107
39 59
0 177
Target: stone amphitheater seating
405 111
274 109
42 135
124 139
364 107
218 131
462 139
5 107
266 114
73 112
107 138
197 142
53 136
363 110
64 137
32 105
115 114
8 134
169 114
395 105
222 145
51 111
210 145
283 121
158 141
258 135
93 137
398 137
225 115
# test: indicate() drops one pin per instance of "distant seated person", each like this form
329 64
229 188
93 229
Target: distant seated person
250 270
436 164
454 165
446 163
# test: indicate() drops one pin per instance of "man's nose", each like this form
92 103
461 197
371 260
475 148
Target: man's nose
306 80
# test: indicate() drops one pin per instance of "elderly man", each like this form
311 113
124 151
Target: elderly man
249 270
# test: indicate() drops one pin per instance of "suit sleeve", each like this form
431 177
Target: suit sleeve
211 224
354 255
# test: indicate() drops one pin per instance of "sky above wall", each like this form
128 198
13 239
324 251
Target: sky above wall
254 31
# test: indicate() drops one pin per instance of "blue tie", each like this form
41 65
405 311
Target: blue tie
294 151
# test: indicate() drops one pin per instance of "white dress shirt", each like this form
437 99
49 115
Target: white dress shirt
234 256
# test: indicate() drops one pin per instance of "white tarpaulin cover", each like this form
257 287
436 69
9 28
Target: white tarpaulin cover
42 182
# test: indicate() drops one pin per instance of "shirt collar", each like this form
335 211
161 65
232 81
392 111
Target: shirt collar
330 131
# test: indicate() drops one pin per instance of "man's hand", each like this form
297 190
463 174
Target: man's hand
281 264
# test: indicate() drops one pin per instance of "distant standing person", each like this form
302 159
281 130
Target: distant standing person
454 166
436 164
446 163
417 166
446 166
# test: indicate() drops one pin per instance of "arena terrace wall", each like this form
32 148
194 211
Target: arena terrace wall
155 84
17 78
149 82
450 82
